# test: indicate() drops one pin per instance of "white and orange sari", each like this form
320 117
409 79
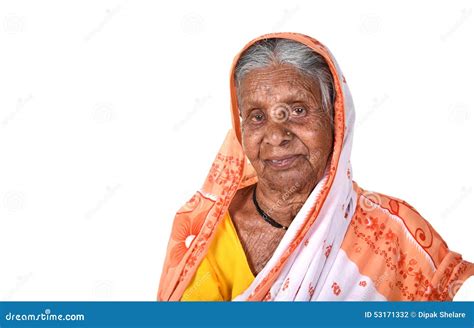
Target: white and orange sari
345 243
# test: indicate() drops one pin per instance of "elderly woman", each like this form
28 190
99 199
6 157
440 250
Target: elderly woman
279 217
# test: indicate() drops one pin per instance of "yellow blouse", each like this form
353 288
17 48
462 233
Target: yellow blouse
224 273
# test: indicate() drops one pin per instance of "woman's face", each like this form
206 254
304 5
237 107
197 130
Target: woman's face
286 134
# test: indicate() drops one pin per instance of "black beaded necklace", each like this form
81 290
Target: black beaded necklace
264 215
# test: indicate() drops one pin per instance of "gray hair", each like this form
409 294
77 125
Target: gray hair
267 52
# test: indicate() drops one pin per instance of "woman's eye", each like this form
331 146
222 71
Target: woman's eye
258 117
299 111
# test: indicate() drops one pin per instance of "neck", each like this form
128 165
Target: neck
282 205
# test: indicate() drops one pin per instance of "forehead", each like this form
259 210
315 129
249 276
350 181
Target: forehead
278 83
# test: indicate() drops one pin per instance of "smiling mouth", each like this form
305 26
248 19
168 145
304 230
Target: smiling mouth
282 163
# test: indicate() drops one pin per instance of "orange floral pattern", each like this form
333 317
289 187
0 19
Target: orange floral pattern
336 289
328 250
401 252
311 290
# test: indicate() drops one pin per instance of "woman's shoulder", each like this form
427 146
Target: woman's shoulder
386 234
390 217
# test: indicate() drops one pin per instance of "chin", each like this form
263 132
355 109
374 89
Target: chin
293 179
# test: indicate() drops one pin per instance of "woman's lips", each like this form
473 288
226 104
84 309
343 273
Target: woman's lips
282 163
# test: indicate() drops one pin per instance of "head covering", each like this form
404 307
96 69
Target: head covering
309 259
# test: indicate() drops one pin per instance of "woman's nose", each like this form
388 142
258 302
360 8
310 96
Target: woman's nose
276 134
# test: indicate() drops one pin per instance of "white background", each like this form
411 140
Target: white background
111 113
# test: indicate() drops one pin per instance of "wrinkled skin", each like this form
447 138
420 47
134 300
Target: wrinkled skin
288 139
